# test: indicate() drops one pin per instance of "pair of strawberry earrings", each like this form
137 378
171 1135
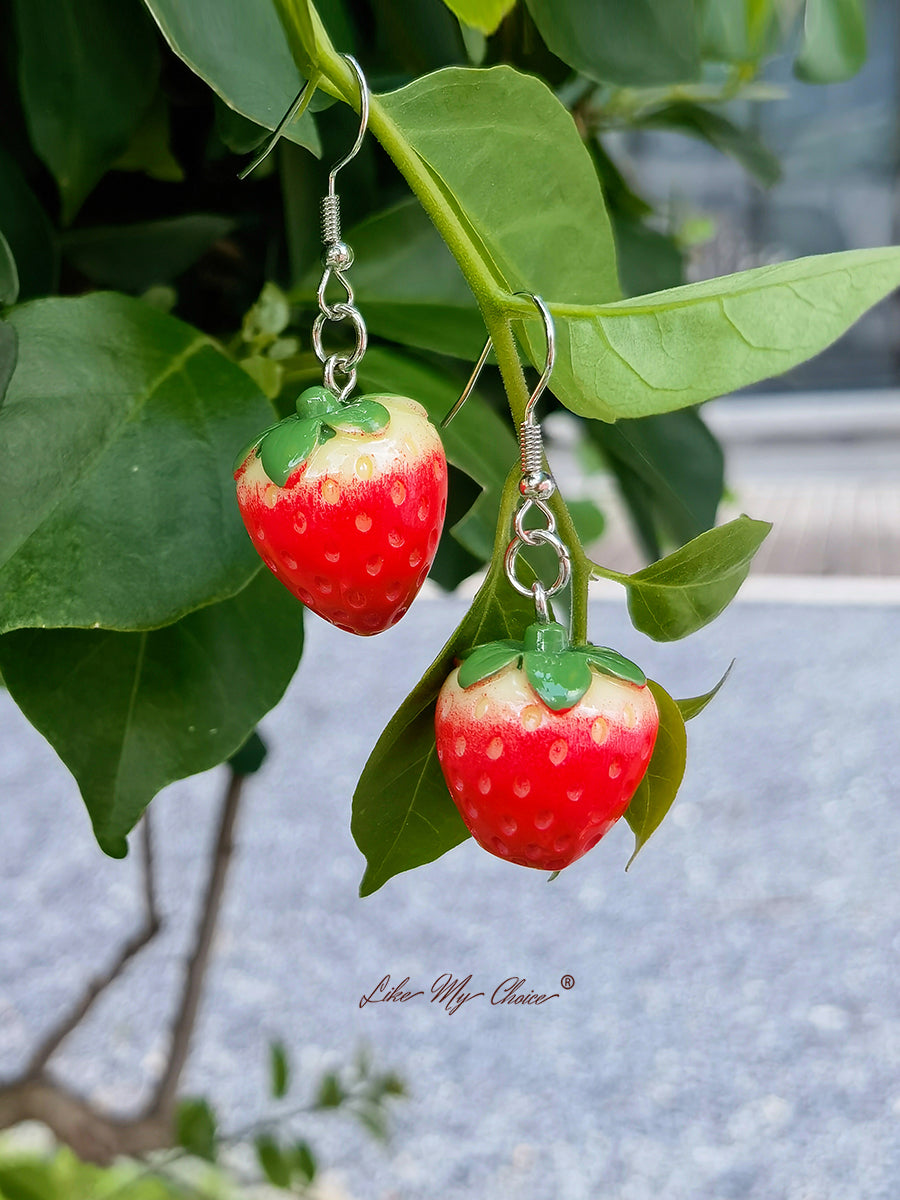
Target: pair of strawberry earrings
542 744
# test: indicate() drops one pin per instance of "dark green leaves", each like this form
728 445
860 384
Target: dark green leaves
834 41
130 712
238 47
680 594
8 355
662 352
134 257
88 72
695 705
641 42
403 815
279 1070
670 470
658 788
9 275
118 431
196 1129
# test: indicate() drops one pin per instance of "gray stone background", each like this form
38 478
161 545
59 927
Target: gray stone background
734 1028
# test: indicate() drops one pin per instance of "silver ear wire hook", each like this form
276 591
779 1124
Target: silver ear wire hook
278 131
536 485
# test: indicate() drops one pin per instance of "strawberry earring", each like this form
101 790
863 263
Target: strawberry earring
542 744
345 500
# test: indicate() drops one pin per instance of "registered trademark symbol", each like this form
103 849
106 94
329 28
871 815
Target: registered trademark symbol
567 981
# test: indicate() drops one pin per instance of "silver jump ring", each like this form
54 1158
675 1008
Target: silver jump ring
541 536
342 312
333 364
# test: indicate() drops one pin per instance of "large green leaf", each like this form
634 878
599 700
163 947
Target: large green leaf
134 257
485 15
130 712
87 73
743 145
477 440
403 815
666 351
407 284
680 594
27 228
238 47
639 43
834 41
9 275
118 432
670 470
665 771
513 164
9 344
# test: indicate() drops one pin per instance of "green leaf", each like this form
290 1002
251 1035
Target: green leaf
269 316
375 1120
135 257
477 440
130 712
249 757
288 445
484 15
304 1162
670 470
9 349
588 520
680 594
238 47
279 1070
274 1162
485 661
331 1093
366 415
743 145
87 72
196 1128
669 350
27 228
611 662
118 433
696 704
403 815
834 41
665 771
149 151
408 284
529 192
9 275
27 1181
639 43
737 31
559 679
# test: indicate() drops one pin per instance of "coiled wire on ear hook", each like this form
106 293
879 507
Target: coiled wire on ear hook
536 485
337 256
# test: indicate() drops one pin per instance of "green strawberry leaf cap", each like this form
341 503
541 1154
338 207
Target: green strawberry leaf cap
284 447
559 673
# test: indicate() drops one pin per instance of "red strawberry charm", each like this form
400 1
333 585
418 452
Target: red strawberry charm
543 744
345 503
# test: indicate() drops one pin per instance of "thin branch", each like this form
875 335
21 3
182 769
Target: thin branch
138 940
163 1100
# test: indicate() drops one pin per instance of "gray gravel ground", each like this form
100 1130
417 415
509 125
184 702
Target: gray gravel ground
734 1028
